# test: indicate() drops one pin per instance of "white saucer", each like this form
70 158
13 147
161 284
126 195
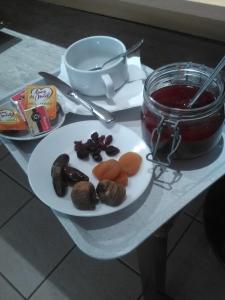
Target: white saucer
128 96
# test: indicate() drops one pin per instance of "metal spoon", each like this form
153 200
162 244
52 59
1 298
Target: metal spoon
129 51
217 69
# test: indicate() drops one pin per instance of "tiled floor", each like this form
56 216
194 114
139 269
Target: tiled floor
38 260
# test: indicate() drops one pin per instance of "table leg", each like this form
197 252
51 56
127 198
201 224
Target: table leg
152 255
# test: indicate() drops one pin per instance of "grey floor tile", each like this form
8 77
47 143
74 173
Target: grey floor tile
194 207
193 270
7 292
31 245
84 278
3 151
12 197
11 167
181 223
199 216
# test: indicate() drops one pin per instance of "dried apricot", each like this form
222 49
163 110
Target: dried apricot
130 163
108 169
122 178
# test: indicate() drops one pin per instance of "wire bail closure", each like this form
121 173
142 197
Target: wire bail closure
156 135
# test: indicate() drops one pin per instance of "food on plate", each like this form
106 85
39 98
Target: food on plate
128 165
36 95
110 192
94 145
130 162
63 175
122 178
73 175
84 195
58 180
112 150
10 119
108 169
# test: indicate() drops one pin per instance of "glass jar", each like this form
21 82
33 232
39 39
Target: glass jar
171 129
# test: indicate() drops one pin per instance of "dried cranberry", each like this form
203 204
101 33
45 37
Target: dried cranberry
108 140
111 150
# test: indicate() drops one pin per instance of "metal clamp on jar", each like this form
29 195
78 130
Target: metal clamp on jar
172 130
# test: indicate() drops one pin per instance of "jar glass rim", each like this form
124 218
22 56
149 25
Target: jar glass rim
185 66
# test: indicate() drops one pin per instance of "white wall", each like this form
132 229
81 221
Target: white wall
198 17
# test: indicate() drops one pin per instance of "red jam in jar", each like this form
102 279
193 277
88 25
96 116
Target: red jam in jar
167 92
178 96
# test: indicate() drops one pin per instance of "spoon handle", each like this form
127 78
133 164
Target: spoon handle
129 51
217 69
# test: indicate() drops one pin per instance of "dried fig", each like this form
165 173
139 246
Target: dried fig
84 195
110 192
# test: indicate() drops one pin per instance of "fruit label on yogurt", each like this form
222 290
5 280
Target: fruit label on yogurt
36 95
10 119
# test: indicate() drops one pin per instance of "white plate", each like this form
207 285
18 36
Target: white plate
26 136
62 141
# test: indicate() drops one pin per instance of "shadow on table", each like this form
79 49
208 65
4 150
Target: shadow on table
199 162
168 182
7 41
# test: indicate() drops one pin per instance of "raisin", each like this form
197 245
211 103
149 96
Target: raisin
101 138
112 150
94 136
97 151
108 140
102 146
83 153
91 145
78 145
97 157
